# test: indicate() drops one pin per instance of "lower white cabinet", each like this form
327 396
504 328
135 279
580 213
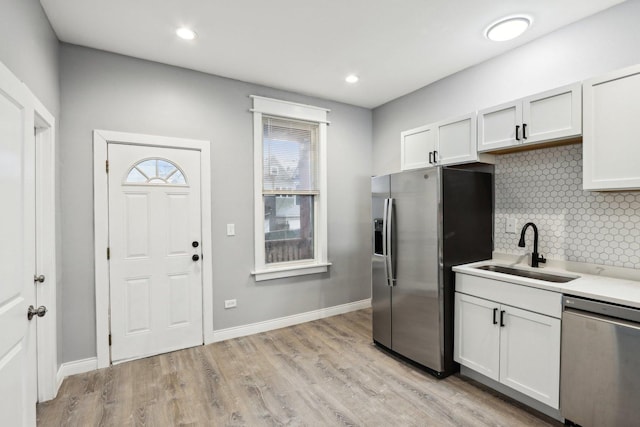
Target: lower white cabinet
477 336
518 348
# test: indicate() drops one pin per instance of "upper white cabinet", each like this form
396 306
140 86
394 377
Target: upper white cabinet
447 142
456 140
416 147
611 146
547 116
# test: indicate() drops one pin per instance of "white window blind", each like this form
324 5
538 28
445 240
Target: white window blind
290 152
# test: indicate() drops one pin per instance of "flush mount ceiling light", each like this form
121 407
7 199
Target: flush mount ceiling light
507 28
186 33
351 78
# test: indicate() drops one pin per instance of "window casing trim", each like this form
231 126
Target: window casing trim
262 270
289 110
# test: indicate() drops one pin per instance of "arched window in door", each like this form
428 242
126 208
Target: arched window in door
155 171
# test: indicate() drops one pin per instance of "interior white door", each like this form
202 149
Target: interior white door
155 252
17 254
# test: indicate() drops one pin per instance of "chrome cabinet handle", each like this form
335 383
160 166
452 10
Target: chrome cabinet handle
39 278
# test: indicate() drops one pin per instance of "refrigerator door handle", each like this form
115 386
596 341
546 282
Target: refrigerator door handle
384 239
389 224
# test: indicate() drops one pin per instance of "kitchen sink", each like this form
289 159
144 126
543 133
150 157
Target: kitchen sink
527 273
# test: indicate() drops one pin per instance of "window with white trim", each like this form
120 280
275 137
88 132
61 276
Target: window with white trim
290 189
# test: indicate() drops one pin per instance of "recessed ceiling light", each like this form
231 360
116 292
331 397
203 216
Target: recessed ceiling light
351 78
186 33
507 28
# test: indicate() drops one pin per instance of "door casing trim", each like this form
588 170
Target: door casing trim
45 175
101 139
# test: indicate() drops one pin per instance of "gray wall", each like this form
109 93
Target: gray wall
603 42
29 48
107 91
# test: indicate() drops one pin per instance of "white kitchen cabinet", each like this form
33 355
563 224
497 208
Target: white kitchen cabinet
516 347
549 116
610 142
451 141
477 338
456 140
530 354
416 147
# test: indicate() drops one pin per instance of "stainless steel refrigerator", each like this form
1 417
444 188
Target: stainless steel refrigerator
425 222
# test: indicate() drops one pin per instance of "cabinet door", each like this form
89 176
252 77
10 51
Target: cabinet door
415 146
457 140
610 141
551 115
530 354
477 335
497 126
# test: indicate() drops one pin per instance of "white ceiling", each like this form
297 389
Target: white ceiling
395 46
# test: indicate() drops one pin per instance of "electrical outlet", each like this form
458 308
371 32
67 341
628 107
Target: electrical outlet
511 225
231 229
230 303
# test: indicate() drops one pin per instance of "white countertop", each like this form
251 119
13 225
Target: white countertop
623 291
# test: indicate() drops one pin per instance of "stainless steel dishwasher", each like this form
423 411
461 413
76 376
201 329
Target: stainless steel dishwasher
600 363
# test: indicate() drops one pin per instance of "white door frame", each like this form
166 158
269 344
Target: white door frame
101 138
47 327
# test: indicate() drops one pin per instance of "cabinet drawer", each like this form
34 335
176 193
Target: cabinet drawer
525 297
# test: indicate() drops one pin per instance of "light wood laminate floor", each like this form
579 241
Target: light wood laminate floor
322 373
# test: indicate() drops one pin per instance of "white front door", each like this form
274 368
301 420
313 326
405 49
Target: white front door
17 254
155 250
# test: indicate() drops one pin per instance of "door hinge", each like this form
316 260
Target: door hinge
108 253
106 165
109 339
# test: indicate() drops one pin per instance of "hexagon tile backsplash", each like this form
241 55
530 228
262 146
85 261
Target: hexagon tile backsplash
545 187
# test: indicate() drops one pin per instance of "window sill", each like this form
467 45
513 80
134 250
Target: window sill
290 271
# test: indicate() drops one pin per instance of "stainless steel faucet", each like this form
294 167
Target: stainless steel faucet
535 258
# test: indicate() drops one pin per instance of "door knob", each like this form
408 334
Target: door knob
39 278
195 244
196 257
32 311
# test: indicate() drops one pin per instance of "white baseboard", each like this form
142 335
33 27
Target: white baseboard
283 322
75 367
